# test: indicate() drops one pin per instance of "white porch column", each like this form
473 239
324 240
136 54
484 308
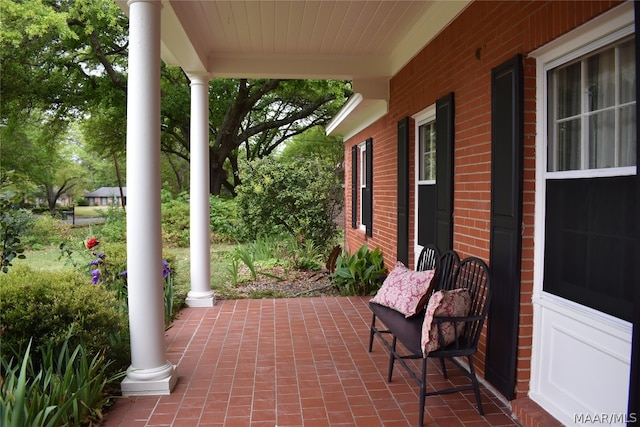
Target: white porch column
200 294
150 372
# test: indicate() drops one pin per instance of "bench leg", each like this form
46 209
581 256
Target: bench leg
392 358
476 386
373 325
444 368
423 392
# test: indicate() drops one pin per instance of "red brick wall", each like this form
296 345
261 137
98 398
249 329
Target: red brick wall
460 60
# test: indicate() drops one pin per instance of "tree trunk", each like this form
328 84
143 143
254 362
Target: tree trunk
52 198
217 179
119 177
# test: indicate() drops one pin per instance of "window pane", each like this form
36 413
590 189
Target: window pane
363 167
627 156
421 151
427 154
568 86
602 140
627 72
567 153
591 111
601 80
430 154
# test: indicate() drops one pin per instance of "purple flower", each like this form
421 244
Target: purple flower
101 255
95 276
123 274
165 269
95 262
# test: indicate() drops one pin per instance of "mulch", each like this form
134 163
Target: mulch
288 284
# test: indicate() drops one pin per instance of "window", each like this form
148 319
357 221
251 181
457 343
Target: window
362 179
427 152
591 111
362 186
589 182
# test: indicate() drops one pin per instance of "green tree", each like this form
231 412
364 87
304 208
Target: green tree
65 58
37 149
315 144
282 198
249 119
62 56
81 51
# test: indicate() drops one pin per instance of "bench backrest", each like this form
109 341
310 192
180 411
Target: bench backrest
473 274
447 272
429 259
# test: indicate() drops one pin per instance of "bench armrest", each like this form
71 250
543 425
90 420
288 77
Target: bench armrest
461 325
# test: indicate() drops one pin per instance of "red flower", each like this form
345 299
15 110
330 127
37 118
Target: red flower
92 243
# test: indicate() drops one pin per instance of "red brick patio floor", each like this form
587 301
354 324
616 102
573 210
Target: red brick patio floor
292 362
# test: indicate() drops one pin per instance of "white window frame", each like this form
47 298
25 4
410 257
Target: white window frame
608 28
421 118
580 55
603 30
362 177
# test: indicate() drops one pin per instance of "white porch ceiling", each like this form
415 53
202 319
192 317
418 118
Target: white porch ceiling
364 41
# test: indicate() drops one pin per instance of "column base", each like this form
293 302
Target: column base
200 299
149 383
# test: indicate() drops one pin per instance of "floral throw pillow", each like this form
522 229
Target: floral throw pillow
403 289
454 303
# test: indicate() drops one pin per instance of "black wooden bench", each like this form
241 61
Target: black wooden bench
471 274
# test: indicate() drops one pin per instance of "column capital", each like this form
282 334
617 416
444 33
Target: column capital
130 2
199 78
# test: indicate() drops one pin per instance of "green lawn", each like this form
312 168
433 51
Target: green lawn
90 211
47 258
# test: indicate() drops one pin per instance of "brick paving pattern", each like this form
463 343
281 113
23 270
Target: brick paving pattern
292 362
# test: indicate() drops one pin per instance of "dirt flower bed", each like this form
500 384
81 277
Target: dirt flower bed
291 283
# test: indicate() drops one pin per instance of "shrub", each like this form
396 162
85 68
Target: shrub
108 267
223 217
175 221
65 389
46 230
42 306
14 224
360 273
112 260
115 224
300 199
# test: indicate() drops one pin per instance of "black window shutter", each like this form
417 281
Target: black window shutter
403 191
506 219
444 172
354 186
367 198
